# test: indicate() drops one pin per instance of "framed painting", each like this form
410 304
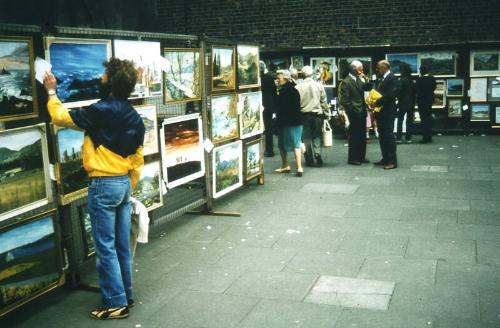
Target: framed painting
495 111
227 168
223 118
86 228
148 115
455 87
275 64
480 112
182 150
145 55
31 260
343 67
223 68
454 107
250 110
494 88
248 66
148 189
297 62
17 79
24 170
485 63
252 159
183 76
396 60
478 89
77 65
440 63
439 96
72 180
324 70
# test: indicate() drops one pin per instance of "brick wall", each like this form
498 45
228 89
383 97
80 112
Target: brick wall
280 24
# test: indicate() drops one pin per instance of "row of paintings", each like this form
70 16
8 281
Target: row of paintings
77 65
30 260
485 89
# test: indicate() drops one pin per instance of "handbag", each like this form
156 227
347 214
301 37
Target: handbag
327 134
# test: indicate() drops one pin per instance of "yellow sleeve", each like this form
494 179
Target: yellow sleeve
137 162
59 114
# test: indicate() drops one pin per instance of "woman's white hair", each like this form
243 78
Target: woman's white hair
355 64
286 74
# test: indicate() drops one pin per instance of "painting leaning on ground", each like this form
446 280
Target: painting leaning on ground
28 261
16 81
22 171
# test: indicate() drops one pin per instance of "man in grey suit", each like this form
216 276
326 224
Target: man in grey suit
351 95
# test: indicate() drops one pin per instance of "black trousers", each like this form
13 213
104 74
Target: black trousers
268 131
356 136
387 140
427 121
408 110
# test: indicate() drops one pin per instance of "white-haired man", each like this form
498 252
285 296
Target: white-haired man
351 96
314 108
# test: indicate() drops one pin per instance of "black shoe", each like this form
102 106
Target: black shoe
130 303
354 162
365 161
319 160
399 142
268 154
424 142
390 166
379 163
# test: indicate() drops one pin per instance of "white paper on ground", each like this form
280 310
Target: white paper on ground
41 66
465 107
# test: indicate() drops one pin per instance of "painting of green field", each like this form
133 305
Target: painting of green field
248 66
29 261
223 72
228 168
22 168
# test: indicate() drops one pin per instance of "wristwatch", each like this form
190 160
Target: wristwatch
51 92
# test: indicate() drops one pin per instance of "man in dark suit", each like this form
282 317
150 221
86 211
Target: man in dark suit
426 84
351 96
388 88
269 94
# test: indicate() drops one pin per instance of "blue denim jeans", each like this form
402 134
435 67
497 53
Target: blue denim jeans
110 216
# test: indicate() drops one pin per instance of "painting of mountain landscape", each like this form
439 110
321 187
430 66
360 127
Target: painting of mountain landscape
224 118
248 66
253 158
145 55
250 109
223 74
77 66
182 78
23 170
182 150
148 190
17 91
29 261
148 115
439 63
72 177
227 168
396 60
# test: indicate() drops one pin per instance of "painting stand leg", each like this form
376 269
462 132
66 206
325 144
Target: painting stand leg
212 213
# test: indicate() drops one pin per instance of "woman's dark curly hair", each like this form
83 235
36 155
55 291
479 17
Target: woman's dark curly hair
122 77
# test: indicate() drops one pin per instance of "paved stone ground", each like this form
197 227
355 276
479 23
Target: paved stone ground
427 234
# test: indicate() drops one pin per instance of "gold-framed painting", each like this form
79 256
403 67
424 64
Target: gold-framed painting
32 262
144 55
223 68
72 179
24 170
439 94
77 65
227 168
223 118
253 161
248 66
18 99
182 79
148 189
250 112
148 115
324 70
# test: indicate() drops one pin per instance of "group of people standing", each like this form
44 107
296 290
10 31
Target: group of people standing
300 105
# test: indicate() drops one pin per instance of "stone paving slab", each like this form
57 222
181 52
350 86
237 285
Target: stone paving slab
362 318
478 217
428 214
478 276
310 239
369 245
273 285
351 292
256 259
326 263
399 269
462 251
488 252
329 188
286 314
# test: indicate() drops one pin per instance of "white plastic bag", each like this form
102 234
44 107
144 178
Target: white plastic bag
327 134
